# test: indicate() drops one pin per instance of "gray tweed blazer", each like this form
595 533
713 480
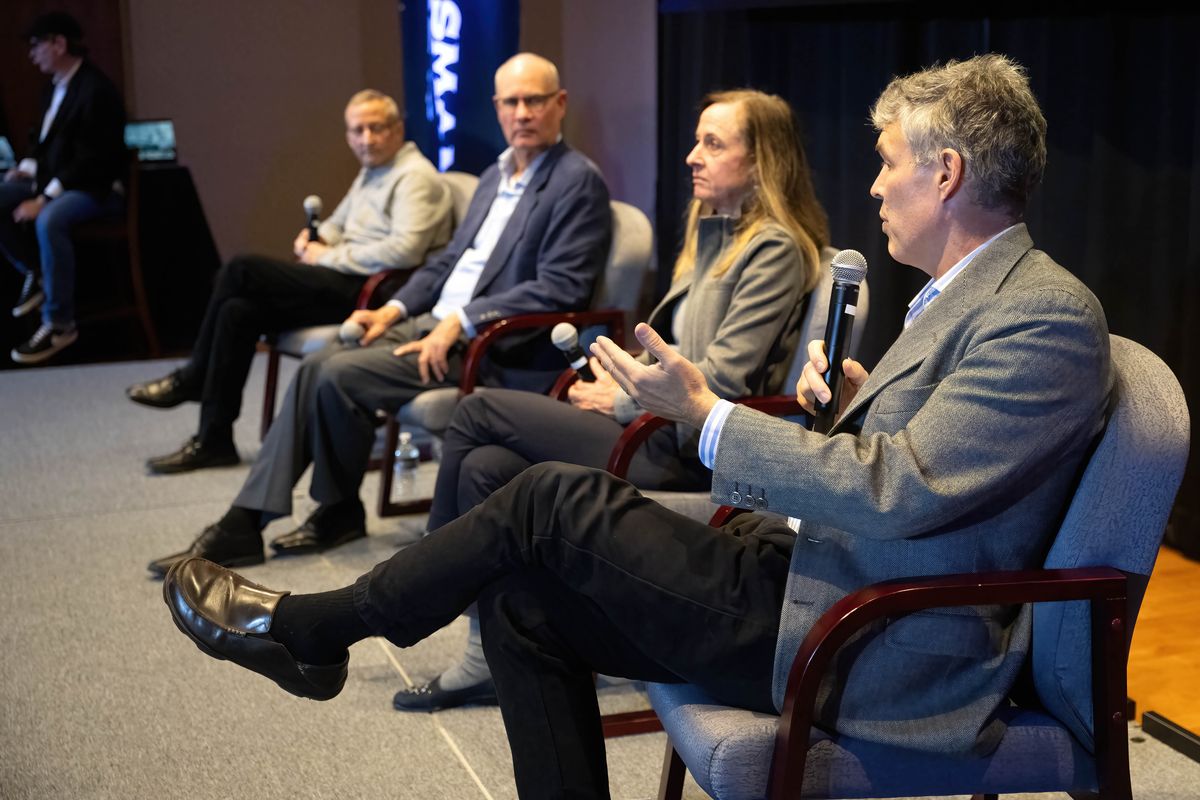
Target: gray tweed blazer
959 454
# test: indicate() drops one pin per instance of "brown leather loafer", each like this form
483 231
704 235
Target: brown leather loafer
229 618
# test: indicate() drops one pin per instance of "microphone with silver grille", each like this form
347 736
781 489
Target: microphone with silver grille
849 267
312 209
566 338
351 332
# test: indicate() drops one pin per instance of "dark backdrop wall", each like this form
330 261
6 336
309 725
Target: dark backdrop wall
1120 204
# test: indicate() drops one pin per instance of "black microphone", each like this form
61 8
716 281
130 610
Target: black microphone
848 269
566 338
312 208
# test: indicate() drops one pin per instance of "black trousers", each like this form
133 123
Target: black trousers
575 572
255 295
497 434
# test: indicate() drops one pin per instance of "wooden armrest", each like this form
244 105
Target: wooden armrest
379 287
1104 586
559 390
613 318
637 432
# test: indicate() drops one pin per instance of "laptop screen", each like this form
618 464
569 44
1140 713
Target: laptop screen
154 139
8 159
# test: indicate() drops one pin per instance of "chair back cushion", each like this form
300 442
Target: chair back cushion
462 189
629 261
1115 519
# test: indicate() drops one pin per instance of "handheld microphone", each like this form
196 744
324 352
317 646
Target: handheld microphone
849 267
566 338
351 332
312 209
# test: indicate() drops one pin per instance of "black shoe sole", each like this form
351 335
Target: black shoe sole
230 563
176 469
301 550
151 403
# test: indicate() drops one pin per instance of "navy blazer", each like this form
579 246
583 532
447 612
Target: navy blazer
547 259
85 146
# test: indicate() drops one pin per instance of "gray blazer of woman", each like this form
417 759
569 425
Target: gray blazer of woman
742 328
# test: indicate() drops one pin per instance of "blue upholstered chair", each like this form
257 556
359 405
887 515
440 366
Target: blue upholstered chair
1086 600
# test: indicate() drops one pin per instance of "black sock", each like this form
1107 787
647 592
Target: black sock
242 521
318 628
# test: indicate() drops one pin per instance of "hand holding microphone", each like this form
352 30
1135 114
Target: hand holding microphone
351 332
566 338
312 210
830 379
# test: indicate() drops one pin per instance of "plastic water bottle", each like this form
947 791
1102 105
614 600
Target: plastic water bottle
408 458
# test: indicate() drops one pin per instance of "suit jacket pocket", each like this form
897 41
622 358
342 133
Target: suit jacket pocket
959 635
902 400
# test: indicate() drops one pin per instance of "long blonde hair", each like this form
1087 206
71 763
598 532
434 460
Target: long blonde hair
783 193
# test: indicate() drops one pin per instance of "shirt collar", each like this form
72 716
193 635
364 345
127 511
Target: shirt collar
936 286
507 166
70 74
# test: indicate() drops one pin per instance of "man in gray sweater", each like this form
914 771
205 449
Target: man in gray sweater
397 210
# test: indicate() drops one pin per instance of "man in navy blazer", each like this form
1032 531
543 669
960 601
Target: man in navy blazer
534 239
77 156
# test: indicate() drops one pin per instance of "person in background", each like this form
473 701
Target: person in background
396 211
534 239
71 175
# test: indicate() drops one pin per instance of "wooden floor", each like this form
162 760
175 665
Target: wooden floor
1164 662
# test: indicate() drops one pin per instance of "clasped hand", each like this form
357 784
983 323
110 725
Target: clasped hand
673 387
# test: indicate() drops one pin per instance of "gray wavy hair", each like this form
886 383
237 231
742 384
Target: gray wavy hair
982 108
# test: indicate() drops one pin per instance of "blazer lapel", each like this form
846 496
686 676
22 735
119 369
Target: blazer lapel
70 100
981 278
515 228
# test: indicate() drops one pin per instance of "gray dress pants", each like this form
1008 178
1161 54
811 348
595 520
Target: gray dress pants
328 417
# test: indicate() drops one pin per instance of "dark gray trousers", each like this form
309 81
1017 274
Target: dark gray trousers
328 418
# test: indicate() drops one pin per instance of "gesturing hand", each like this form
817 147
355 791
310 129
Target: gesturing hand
673 387
433 349
811 387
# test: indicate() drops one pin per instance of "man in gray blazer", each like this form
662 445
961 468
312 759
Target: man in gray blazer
534 239
959 453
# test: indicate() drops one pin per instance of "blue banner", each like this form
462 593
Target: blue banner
451 51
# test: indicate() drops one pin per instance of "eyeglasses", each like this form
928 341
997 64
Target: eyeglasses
533 102
376 128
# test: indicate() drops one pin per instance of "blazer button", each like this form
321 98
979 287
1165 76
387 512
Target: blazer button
735 498
760 503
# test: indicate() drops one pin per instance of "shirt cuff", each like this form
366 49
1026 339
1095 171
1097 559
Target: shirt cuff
53 189
711 432
28 166
467 327
399 305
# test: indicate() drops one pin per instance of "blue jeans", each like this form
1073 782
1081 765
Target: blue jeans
51 245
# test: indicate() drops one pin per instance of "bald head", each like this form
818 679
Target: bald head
530 105
529 66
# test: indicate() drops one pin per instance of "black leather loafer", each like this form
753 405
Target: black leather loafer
432 697
319 533
193 455
217 545
166 392
229 618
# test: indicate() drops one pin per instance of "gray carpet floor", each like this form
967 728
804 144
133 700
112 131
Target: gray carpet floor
102 698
